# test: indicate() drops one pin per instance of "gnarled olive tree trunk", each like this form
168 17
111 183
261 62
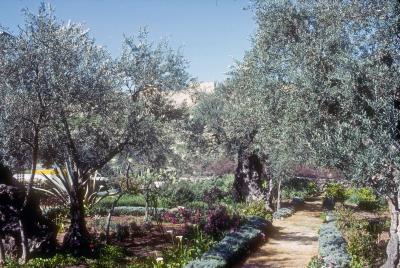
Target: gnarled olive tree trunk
392 249
248 178
77 238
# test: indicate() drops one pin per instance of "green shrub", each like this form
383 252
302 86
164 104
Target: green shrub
299 187
335 191
361 246
361 236
193 191
127 200
126 211
316 262
197 205
110 257
364 198
256 208
187 249
59 260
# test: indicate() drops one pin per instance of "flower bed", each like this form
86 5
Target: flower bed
234 245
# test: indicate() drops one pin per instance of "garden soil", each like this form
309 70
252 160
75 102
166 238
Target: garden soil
293 242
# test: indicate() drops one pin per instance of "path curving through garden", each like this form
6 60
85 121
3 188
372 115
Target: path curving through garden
293 242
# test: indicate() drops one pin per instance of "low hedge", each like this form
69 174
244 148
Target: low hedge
234 245
332 246
125 210
283 213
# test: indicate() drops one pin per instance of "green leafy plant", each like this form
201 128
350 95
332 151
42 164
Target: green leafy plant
256 208
363 197
335 191
62 183
316 262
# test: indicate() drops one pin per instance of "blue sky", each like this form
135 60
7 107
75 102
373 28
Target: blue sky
212 33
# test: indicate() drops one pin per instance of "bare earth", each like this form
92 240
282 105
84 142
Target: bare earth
293 242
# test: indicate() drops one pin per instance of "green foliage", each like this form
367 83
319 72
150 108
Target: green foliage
323 216
256 208
316 262
364 198
335 191
58 260
185 193
298 187
361 236
126 211
186 249
110 257
129 200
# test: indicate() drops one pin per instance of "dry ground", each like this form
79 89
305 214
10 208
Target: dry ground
293 242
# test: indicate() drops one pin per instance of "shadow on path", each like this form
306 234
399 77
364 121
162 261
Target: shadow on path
293 241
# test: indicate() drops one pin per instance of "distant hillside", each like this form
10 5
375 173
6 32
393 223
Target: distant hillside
186 96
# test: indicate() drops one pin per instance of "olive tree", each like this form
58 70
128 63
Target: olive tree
94 108
343 84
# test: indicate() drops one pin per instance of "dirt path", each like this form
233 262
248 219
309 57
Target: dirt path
293 242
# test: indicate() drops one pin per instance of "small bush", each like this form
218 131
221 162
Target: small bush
299 187
126 200
256 208
283 213
110 257
332 246
197 205
364 198
335 191
59 260
316 262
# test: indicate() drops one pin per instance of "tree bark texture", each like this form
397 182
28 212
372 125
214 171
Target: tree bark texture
77 238
248 178
392 249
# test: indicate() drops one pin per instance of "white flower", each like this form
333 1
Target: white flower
179 237
159 259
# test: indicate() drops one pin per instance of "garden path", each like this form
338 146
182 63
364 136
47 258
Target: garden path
293 242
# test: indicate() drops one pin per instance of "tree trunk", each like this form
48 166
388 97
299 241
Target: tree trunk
24 239
248 174
2 252
77 238
24 243
278 202
392 249
109 218
270 195
146 209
